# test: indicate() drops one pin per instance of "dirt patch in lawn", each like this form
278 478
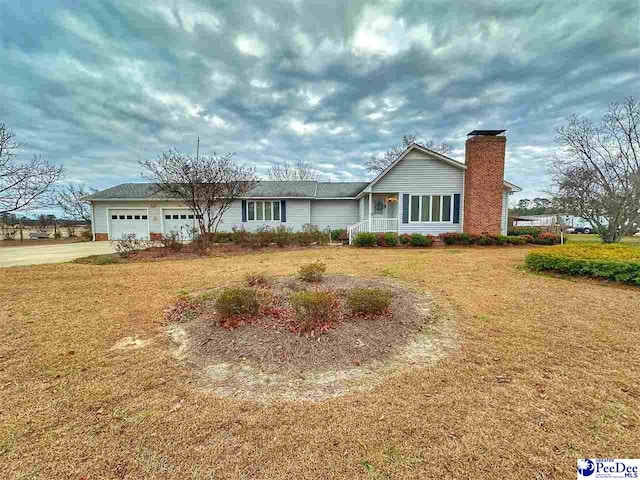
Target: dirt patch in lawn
263 361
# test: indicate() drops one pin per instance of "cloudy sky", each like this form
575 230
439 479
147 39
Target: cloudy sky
98 86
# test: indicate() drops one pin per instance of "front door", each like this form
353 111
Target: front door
379 206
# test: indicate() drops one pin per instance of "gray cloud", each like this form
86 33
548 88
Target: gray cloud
100 87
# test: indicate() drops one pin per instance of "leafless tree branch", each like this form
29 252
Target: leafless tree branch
206 184
300 171
69 198
596 172
378 163
23 185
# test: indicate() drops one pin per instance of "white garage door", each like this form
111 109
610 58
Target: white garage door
126 222
180 221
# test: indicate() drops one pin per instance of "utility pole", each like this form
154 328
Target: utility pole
198 149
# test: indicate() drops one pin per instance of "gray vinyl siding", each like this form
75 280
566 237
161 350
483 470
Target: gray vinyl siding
298 214
419 174
334 213
505 213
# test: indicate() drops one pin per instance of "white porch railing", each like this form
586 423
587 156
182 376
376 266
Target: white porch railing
372 225
384 224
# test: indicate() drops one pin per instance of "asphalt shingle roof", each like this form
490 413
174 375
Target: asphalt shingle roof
297 189
340 189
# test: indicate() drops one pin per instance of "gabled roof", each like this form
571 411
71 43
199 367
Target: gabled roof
416 146
340 189
438 156
263 189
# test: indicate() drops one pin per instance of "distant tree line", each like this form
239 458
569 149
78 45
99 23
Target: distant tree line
537 206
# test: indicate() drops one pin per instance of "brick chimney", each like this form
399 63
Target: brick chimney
483 181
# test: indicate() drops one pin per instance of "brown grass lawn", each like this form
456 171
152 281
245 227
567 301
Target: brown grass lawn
72 408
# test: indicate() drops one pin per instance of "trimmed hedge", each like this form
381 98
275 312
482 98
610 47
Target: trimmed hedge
472 239
533 231
392 239
610 261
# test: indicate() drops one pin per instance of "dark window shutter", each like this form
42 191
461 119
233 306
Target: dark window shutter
244 211
405 208
456 208
283 210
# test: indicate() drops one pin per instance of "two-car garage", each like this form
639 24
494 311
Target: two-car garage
136 221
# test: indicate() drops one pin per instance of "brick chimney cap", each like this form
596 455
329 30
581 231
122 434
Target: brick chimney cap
486 133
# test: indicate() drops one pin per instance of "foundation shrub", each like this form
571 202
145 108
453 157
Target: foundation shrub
515 240
312 272
242 237
388 239
369 301
223 237
282 236
547 238
365 239
527 238
419 240
616 262
339 234
405 239
172 241
454 238
533 231
263 237
129 244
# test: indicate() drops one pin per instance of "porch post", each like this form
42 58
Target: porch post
370 215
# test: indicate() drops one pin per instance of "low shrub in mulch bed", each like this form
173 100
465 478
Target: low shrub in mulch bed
541 238
334 323
616 262
188 251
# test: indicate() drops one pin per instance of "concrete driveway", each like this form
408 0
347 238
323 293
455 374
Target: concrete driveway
36 254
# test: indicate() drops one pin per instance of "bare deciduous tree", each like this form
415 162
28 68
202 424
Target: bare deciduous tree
69 198
23 184
206 184
286 171
596 173
378 163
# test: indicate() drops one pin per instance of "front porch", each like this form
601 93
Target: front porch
380 214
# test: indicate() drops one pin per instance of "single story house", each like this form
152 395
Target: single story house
422 191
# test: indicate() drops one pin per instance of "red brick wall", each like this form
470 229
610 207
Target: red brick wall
100 237
483 184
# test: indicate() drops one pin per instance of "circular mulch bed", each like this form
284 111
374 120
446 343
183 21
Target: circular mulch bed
263 360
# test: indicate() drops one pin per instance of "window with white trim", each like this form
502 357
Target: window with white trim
430 208
263 211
